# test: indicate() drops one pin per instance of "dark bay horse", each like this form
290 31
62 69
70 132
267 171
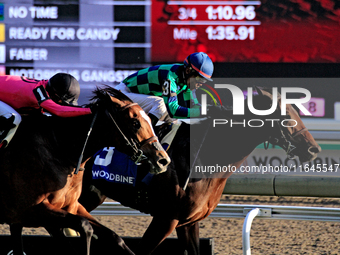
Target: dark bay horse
175 208
38 187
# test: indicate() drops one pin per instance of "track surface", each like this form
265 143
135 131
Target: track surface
267 236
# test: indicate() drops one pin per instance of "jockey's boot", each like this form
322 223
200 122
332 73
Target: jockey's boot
171 130
6 124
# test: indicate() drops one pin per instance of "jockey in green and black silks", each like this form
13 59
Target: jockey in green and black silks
156 88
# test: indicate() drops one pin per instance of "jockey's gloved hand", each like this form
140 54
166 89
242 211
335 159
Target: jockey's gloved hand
219 111
214 109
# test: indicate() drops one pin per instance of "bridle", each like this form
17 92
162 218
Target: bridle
284 140
138 154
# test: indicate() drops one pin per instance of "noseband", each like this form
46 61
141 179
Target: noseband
138 154
284 141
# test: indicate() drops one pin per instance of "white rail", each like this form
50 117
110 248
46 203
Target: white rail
246 230
249 212
239 211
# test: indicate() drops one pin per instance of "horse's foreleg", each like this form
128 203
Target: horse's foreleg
55 232
188 236
105 236
50 217
16 235
159 229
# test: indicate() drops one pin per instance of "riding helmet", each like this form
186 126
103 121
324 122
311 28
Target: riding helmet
65 87
201 63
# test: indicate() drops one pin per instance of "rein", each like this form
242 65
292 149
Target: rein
198 152
138 155
87 138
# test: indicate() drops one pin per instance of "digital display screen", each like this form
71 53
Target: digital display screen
275 31
96 42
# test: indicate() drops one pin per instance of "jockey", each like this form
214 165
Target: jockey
58 96
156 88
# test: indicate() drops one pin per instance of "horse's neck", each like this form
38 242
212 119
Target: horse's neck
235 139
213 184
70 134
227 147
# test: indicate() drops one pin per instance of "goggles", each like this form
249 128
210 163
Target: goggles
200 79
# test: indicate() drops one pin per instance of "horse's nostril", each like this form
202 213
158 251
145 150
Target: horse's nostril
163 162
314 149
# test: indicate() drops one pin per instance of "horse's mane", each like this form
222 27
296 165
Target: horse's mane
268 92
100 93
262 99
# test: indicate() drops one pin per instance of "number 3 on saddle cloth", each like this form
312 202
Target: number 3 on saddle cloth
114 166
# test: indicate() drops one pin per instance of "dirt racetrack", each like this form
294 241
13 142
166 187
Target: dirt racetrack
267 236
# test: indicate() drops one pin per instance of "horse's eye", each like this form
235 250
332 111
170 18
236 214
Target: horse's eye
136 124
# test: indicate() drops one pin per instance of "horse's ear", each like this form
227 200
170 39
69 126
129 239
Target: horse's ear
258 90
117 101
111 98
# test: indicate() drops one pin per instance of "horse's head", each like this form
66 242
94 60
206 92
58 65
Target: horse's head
133 127
290 132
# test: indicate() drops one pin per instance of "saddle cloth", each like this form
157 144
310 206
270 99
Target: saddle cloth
114 166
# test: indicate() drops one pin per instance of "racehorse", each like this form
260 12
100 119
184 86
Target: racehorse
201 144
38 184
